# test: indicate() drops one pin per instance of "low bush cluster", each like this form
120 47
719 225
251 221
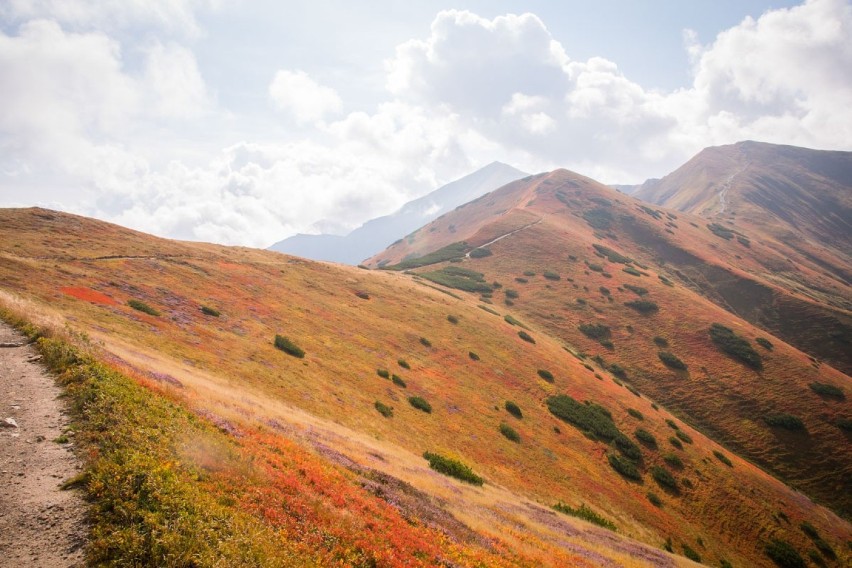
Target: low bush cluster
585 513
737 347
384 409
671 360
141 306
480 253
420 403
645 437
513 409
459 278
595 330
828 391
526 337
208 311
510 433
551 275
594 420
786 421
783 554
625 467
452 468
664 479
722 458
643 306
546 375
288 347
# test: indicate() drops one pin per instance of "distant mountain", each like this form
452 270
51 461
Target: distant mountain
376 234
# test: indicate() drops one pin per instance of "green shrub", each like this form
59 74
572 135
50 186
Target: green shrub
595 330
617 370
723 458
208 311
721 231
664 479
737 347
673 461
611 255
511 294
594 267
420 403
826 390
384 409
473 355
425 342
526 337
449 252
631 271
809 530
786 421
509 432
403 363
143 307
783 554
725 564
512 321
383 373
671 360
635 414
591 418
521 280
844 424
661 341
676 443
397 380
638 290
691 554
458 278
645 437
362 294
624 467
643 306
513 409
480 253
546 375
654 499
604 290
452 468
665 280
626 446
598 218
551 275
453 319
763 342
683 436
672 424
585 513
288 347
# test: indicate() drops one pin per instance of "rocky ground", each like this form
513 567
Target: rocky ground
40 523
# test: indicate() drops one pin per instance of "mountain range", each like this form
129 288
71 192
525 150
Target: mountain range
553 373
378 233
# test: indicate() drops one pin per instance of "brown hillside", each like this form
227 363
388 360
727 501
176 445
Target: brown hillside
351 322
678 261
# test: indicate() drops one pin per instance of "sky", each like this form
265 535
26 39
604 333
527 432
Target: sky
246 122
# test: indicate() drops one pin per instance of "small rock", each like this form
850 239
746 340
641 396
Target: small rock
9 423
40 438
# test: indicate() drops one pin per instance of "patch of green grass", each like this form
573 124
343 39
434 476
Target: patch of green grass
585 513
510 433
143 307
287 346
61 439
452 468
208 311
828 391
420 403
449 252
783 554
513 409
546 375
526 337
786 421
671 360
734 345
384 409
723 458
459 278
643 306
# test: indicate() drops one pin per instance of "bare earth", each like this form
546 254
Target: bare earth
40 525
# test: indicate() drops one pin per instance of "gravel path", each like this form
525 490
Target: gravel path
40 524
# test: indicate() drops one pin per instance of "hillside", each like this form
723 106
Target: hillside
376 234
570 252
300 453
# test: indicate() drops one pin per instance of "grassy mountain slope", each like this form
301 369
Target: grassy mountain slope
320 409
664 256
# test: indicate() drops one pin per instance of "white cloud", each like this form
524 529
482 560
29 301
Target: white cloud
172 75
306 100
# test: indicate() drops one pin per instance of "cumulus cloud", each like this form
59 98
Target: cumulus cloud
303 98
472 91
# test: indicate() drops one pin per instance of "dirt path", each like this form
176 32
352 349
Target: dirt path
40 525
501 237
